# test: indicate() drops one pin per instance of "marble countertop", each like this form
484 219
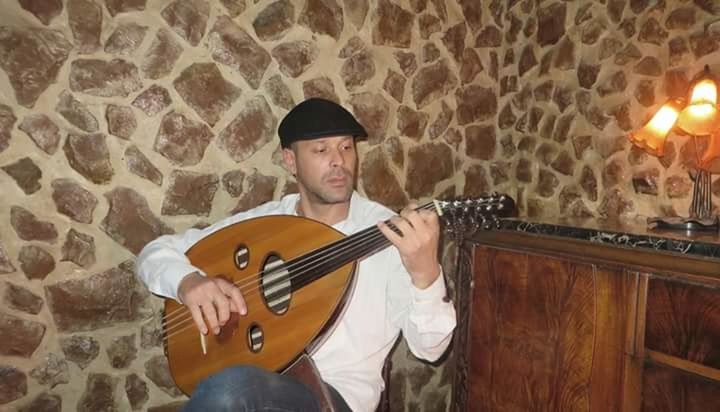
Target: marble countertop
623 234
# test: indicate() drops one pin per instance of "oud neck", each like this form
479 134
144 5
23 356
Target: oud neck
335 255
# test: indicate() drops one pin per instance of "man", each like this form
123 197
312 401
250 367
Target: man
398 289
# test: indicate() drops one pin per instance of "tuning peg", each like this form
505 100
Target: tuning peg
486 224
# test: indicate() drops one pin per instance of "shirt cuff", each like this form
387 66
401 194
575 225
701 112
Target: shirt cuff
433 293
173 274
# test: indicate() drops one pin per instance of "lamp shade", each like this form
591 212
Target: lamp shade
651 137
701 116
704 91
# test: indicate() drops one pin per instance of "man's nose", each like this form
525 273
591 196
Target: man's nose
336 158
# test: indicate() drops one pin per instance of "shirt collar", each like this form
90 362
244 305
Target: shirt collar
352 213
341 225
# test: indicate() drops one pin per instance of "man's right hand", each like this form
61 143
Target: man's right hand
211 300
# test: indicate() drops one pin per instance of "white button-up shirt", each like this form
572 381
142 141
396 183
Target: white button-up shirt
383 302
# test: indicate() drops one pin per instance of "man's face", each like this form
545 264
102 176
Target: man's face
324 168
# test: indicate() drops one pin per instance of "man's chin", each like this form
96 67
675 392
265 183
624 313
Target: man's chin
335 197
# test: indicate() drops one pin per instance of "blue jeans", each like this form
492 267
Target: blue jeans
247 388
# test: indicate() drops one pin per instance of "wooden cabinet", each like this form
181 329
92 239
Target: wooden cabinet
560 325
682 345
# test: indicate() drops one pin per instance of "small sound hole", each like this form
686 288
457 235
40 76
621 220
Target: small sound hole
242 257
276 285
255 338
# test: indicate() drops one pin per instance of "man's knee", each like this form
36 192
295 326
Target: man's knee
237 376
228 390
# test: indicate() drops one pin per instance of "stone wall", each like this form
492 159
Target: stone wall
121 120
572 79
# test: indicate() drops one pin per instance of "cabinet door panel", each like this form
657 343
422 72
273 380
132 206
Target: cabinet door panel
684 321
670 390
546 334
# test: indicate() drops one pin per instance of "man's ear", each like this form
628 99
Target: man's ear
289 160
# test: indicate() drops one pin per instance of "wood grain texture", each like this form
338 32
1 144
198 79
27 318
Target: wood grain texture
684 365
557 325
688 268
462 347
670 390
286 335
547 334
632 386
616 317
684 321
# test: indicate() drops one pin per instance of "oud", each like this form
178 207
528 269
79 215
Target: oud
295 274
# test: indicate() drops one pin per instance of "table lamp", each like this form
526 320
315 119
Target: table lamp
697 116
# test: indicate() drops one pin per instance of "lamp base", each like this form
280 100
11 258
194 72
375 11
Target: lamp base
684 223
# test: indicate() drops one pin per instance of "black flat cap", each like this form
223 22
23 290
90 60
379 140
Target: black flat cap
315 118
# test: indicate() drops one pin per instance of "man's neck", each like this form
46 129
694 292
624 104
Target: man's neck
329 214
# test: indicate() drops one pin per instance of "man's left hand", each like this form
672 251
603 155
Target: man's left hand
417 243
